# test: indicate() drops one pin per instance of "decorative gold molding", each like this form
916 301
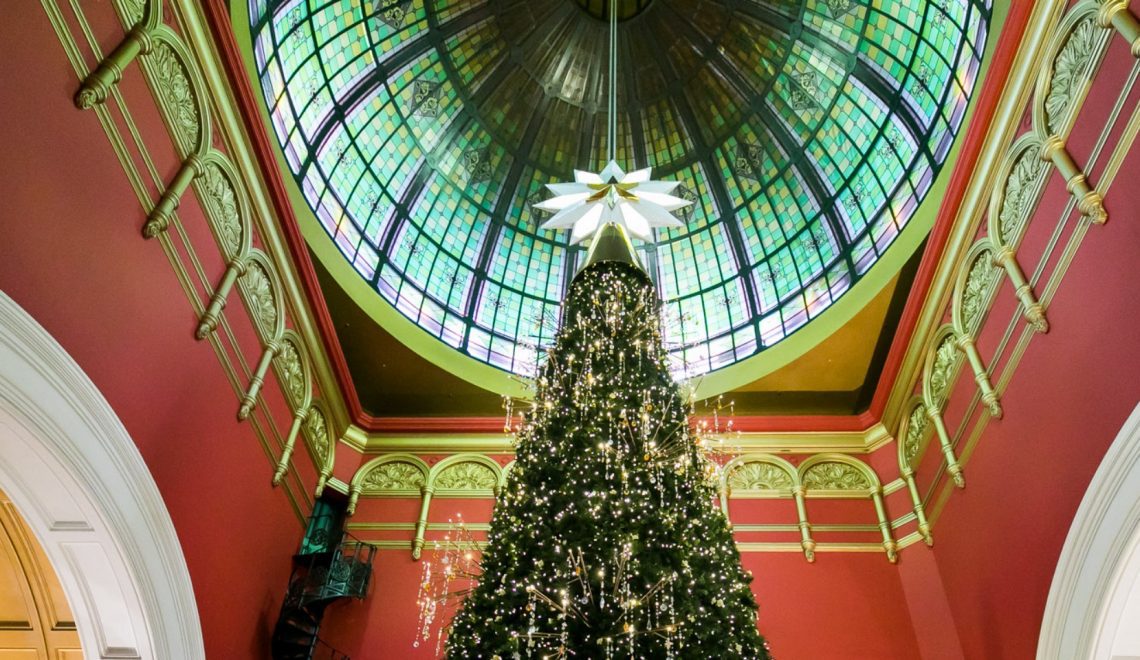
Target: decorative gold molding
187 113
1115 13
1073 54
1123 147
848 442
913 436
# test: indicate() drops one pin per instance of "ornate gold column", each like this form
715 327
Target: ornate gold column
889 544
158 220
96 87
919 509
1033 310
250 399
1115 13
806 541
952 466
1089 201
209 320
287 452
981 376
421 523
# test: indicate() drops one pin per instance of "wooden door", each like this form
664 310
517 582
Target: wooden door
35 620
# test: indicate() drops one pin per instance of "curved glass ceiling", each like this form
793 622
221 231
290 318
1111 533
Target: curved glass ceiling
807 132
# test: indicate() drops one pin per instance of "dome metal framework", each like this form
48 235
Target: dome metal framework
806 132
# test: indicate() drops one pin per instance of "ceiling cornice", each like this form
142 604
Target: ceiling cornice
773 442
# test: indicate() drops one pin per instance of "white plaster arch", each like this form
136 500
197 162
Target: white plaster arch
79 481
1096 588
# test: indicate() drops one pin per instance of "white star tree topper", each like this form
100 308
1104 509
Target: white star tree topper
630 200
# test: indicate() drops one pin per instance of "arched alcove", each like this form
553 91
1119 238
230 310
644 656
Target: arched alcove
74 473
1095 595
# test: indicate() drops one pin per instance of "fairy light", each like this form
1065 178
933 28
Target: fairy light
607 541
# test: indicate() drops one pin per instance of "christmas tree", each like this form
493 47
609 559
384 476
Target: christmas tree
607 541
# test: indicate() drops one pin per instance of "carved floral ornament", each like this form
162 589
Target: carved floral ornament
220 195
758 476
261 298
317 431
945 359
292 372
1070 71
467 476
133 10
835 476
915 433
980 279
172 80
1020 193
394 476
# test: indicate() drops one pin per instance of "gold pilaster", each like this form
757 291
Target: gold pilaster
353 497
96 87
919 509
981 376
421 523
806 541
1033 310
952 466
209 320
250 399
158 220
889 544
287 452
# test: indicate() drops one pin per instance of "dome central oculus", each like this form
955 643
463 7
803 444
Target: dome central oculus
626 9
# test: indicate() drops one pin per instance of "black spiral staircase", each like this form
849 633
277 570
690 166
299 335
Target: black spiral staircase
330 565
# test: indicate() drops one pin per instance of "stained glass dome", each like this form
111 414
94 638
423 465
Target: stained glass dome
422 132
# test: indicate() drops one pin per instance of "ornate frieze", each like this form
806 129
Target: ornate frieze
1070 70
980 279
835 476
221 196
945 359
317 432
394 476
915 433
1020 194
173 85
467 476
292 372
260 295
758 476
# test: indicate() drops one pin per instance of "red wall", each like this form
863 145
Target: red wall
845 605
73 257
71 254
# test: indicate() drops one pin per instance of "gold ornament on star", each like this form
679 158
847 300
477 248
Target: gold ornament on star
612 196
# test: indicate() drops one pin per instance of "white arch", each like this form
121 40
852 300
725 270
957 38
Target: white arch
1096 587
79 481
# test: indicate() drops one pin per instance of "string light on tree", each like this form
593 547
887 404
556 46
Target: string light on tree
606 541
